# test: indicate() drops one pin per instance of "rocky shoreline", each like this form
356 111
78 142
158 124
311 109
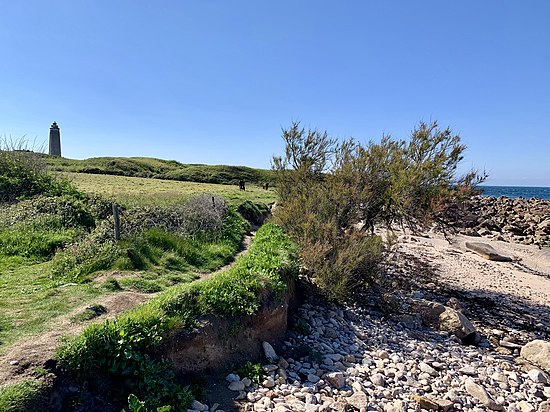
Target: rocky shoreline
517 220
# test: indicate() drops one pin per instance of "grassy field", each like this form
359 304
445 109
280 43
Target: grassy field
32 299
131 191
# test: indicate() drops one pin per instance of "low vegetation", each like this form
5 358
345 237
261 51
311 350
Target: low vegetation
121 352
57 246
20 397
137 191
57 252
199 235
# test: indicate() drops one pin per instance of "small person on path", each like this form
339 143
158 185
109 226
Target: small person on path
241 185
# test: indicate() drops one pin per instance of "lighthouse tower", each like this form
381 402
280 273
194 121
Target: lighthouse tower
55 140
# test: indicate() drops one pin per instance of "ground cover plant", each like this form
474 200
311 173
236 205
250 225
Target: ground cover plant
333 194
19 397
199 235
56 245
122 351
160 247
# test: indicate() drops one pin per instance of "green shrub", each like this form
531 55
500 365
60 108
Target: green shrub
135 405
81 259
160 243
23 174
253 371
332 195
51 212
35 228
120 352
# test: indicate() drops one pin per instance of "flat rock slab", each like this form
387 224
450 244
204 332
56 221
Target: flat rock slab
544 254
487 251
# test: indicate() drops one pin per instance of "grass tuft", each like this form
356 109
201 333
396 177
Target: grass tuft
20 396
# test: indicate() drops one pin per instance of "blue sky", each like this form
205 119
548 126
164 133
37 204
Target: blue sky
215 81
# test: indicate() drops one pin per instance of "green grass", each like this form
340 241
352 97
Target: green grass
161 169
30 301
56 255
32 296
134 191
19 397
120 351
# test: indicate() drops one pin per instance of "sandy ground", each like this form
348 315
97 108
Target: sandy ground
519 289
527 276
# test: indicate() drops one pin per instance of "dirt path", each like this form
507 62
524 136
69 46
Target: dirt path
247 239
22 358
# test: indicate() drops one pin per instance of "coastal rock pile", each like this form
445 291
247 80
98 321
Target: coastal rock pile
517 220
375 364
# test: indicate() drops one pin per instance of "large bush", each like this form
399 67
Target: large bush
23 174
35 228
332 195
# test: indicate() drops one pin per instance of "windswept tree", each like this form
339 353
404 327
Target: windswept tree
332 195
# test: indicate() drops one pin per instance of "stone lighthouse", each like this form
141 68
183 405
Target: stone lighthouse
55 140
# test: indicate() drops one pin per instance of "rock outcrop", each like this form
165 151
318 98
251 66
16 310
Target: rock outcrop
487 251
514 220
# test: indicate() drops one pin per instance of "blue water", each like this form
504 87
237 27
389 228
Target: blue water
516 191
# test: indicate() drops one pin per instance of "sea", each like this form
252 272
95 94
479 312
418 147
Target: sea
516 191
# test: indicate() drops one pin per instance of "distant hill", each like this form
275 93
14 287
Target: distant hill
161 169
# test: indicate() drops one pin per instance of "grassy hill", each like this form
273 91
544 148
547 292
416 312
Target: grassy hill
161 169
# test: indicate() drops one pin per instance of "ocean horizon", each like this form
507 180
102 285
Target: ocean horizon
526 192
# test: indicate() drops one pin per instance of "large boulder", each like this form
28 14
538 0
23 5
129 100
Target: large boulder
442 317
486 251
428 311
538 353
456 323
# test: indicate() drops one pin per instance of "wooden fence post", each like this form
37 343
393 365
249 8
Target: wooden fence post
117 222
